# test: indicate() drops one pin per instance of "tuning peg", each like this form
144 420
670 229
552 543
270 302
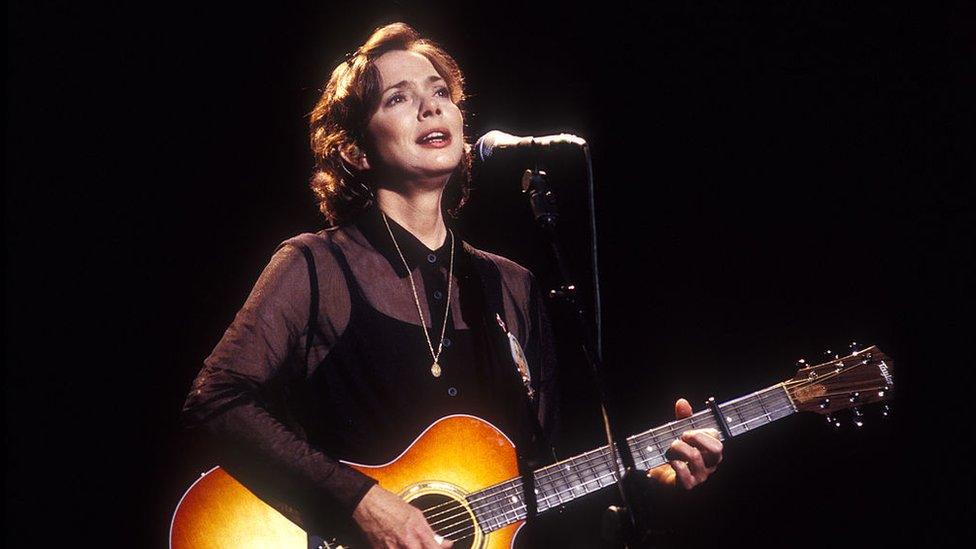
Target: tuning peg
831 420
885 410
858 416
825 404
831 355
854 347
854 397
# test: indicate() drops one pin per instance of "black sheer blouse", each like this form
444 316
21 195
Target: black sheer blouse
359 387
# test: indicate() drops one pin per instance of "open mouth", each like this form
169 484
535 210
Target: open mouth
435 138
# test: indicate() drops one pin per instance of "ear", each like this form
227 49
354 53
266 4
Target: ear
354 156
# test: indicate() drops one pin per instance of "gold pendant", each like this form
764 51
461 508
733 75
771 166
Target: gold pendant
435 369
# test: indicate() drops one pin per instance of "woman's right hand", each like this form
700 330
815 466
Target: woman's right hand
391 523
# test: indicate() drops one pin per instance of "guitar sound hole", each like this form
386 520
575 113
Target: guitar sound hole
448 518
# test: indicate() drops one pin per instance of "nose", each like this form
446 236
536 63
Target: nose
429 107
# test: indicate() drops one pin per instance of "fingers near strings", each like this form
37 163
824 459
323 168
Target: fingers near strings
694 457
689 455
707 443
682 409
683 474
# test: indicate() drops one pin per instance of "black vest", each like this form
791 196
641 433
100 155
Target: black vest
373 394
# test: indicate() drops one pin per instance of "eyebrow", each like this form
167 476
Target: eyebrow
404 83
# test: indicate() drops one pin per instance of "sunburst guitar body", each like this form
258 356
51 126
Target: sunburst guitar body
456 456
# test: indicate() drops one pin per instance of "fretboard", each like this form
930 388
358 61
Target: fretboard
502 504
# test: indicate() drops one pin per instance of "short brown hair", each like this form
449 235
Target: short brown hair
340 117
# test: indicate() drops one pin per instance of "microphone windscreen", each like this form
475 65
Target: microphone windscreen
486 144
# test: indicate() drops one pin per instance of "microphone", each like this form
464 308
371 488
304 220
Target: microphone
499 141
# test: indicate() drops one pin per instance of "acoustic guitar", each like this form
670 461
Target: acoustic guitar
462 471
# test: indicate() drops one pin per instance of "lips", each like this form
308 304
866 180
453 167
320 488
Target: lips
437 137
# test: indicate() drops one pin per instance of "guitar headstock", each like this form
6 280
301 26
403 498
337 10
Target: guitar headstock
860 378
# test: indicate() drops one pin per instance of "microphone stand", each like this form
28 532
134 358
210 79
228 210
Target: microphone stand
627 524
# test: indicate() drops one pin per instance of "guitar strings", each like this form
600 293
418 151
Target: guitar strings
649 438
602 455
844 368
668 431
654 436
548 473
601 477
516 489
516 511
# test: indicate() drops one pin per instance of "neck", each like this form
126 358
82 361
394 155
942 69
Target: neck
418 211
562 482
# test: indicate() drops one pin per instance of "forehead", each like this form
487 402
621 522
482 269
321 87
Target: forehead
398 65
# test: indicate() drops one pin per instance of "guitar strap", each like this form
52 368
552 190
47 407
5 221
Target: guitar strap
528 452
312 327
313 302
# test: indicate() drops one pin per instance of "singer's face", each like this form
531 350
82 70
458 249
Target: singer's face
416 133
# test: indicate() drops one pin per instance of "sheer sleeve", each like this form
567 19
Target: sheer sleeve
261 350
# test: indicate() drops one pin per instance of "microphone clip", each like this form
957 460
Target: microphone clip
541 198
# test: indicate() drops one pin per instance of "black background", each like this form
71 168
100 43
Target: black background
774 179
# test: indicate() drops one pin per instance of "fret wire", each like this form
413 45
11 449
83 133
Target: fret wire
745 404
769 404
636 449
738 409
763 406
737 412
575 472
745 410
611 465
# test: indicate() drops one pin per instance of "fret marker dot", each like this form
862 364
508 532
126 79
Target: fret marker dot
649 449
514 499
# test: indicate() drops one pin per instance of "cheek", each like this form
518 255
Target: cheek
389 134
456 116
457 125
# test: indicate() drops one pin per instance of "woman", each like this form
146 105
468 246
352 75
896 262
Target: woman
356 338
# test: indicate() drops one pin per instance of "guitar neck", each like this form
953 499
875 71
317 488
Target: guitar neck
502 504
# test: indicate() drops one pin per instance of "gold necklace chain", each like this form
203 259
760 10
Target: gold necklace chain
435 368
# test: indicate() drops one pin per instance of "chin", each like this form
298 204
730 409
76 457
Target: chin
447 163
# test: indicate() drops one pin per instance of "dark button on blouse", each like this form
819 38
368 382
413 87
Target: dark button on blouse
438 294
431 258
452 391
447 342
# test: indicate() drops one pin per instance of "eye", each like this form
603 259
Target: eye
396 99
443 92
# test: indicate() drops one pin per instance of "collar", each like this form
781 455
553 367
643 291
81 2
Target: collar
370 224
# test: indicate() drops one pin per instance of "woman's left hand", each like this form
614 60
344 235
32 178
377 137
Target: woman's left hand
692 457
